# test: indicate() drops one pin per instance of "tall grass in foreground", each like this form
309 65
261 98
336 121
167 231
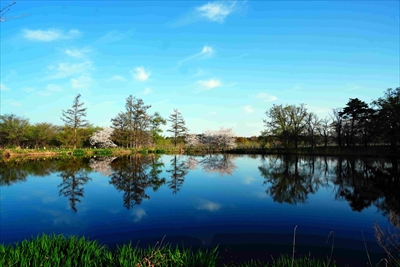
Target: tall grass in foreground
53 251
389 240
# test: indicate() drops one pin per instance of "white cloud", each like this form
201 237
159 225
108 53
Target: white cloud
211 113
248 180
66 69
147 91
207 51
266 97
54 88
77 53
248 109
208 205
213 83
49 35
138 214
117 78
140 74
216 11
17 104
3 87
81 82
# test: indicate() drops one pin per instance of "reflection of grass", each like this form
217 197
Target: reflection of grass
53 251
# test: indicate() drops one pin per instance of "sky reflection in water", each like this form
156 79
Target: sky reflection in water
199 199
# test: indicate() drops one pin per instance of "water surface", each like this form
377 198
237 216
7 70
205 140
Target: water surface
248 204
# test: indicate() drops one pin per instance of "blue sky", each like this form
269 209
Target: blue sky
220 63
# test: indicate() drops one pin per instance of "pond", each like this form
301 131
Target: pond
248 204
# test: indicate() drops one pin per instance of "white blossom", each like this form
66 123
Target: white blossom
102 138
192 140
224 138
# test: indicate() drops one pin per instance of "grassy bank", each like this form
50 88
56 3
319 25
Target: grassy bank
17 152
54 251
372 151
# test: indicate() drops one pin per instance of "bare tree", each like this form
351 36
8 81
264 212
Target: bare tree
313 123
325 130
178 127
74 117
3 17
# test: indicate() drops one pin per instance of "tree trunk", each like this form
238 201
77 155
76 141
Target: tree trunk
74 137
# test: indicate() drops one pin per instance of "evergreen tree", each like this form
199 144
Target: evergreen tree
178 127
74 117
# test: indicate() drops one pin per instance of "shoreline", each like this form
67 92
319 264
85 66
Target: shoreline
372 151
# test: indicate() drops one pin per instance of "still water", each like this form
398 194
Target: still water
248 204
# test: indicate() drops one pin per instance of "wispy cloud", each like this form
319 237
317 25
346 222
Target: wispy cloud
248 180
16 104
248 109
81 82
216 11
77 53
147 91
115 36
3 87
208 205
54 88
211 113
352 87
213 11
266 97
206 52
66 69
199 73
207 85
49 35
140 74
28 89
116 78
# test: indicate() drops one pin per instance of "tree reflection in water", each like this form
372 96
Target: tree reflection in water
133 174
17 170
179 169
223 164
361 182
102 165
74 174
290 179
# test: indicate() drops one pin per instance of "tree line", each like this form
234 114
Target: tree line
356 124
289 126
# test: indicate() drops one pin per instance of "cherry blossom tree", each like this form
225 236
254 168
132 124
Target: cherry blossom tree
192 140
222 139
102 138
